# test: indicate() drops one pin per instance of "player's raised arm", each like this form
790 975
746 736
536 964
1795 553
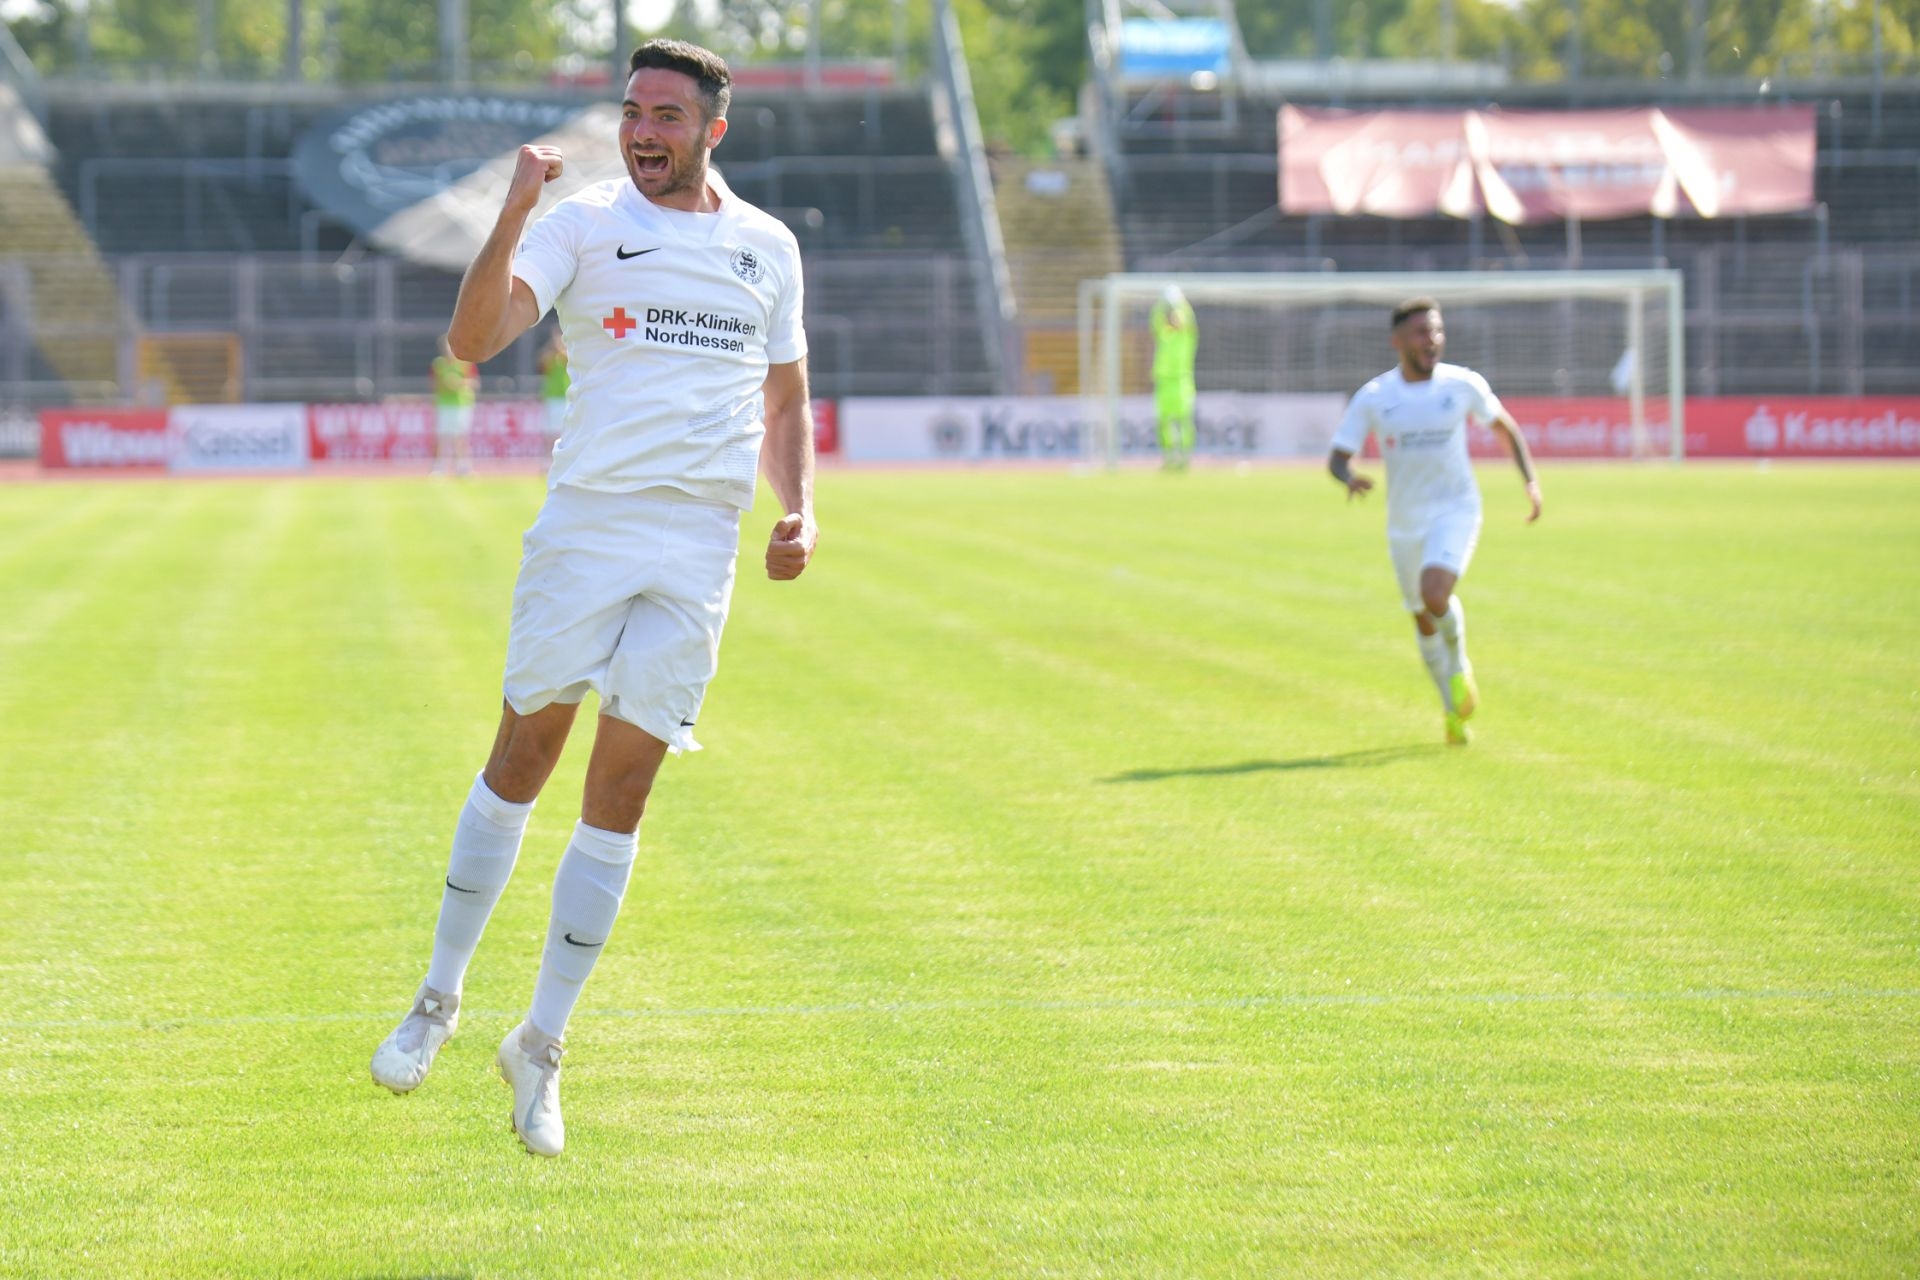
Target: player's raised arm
1517 445
787 458
494 308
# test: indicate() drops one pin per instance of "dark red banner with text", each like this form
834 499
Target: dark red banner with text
105 439
403 431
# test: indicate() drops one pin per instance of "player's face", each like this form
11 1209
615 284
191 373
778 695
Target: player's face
665 136
1420 340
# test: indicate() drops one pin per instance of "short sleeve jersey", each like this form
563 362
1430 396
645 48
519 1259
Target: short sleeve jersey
670 320
1422 429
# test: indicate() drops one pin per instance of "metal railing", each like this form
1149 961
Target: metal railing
316 329
981 218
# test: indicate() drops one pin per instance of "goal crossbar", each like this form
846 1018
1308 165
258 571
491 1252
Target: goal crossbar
1102 299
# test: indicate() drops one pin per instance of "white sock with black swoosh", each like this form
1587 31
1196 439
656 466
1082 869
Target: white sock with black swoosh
486 842
587 890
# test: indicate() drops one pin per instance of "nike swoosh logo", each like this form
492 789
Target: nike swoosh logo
457 889
686 724
576 942
622 254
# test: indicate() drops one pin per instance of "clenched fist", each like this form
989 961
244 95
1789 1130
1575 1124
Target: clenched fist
791 546
533 168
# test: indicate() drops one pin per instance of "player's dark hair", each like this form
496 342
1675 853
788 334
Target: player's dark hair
704 66
1412 307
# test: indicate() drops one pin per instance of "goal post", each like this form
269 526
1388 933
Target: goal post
1581 336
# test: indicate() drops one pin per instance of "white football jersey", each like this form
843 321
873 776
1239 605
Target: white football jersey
670 319
1422 428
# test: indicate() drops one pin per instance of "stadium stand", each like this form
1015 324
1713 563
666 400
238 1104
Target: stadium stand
184 196
1795 303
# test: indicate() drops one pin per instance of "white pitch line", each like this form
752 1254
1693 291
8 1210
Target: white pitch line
887 1008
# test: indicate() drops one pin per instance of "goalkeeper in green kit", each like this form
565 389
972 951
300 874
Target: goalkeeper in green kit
1176 338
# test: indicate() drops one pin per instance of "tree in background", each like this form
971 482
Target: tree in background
349 40
45 32
1483 30
1027 57
1740 39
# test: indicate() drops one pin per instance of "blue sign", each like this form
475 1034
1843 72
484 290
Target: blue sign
1175 47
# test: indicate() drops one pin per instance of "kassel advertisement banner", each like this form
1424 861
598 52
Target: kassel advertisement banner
238 437
1042 428
1717 427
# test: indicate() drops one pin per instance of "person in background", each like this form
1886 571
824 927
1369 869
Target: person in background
1176 339
1419 411
456 385
554 382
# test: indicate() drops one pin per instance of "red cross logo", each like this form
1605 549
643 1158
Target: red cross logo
619 322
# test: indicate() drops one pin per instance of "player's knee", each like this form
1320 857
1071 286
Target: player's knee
616 800
1436 590
524 756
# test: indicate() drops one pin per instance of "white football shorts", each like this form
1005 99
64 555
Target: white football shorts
624 594
453 419
1448 542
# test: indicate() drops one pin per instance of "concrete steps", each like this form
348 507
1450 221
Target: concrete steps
1057 220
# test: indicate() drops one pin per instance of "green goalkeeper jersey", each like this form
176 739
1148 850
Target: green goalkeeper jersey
1174 346
453 382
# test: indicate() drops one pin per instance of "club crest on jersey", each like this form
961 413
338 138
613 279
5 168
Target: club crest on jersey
747 265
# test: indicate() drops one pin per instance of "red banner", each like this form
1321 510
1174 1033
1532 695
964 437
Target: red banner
401 431
826 426
1717 427
1804 427
1578 427
1543 166
105 439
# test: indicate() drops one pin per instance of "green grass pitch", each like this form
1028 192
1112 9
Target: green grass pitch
1073 884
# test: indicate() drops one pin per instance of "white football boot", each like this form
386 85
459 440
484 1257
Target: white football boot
535 1080
401 1061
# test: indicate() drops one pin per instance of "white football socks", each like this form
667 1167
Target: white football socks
587 890
486 842
1453 629
1433 651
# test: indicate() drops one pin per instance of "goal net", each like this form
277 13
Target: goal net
1593 358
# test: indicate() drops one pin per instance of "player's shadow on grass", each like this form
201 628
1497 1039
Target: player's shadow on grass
1363 759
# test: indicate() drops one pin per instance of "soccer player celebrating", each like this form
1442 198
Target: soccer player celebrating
681 310
1176 340
1419 412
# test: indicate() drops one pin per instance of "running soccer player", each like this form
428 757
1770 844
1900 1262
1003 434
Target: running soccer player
1419 413
681 308
455 388
553 383
1176 340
